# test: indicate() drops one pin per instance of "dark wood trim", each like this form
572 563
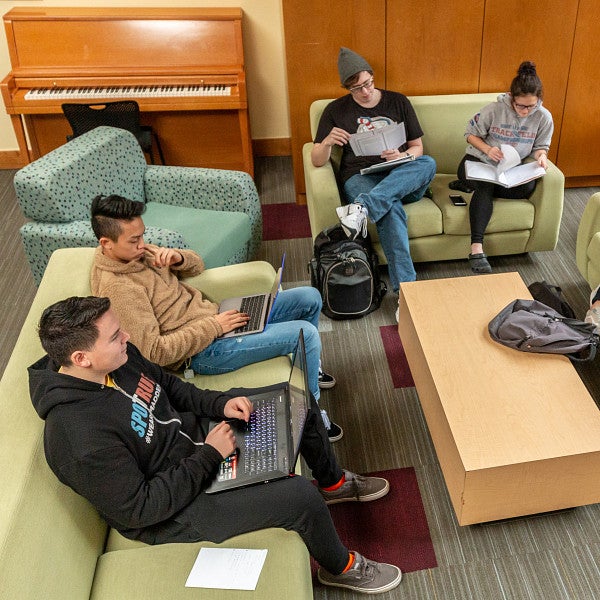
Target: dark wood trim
272 147
12 159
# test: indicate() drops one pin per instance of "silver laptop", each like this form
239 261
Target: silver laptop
259 307
268 445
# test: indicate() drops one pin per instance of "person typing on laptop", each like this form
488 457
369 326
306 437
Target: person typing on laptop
171 323
129 437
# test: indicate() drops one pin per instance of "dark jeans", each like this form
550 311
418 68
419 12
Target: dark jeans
294 504
482 205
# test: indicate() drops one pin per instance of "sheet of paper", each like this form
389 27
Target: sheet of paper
375 141
227 568
510 158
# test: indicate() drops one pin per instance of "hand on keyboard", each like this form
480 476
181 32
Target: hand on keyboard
222 439
231 319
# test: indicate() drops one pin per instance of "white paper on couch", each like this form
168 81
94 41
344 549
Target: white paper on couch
508 173
374 141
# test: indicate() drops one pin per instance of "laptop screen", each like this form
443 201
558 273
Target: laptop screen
298 385
275 288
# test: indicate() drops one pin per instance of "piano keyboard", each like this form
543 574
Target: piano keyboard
137 91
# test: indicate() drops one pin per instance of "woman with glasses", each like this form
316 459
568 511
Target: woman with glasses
518 119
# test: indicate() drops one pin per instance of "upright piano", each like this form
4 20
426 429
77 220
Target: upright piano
184 66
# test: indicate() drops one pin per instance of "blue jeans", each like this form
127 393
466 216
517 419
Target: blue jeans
384 194
295 309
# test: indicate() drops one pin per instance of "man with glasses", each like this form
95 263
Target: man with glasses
379 196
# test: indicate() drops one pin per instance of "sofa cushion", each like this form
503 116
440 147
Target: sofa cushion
220 237
109 161
143 572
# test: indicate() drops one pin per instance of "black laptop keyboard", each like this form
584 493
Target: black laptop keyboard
260 453
252 305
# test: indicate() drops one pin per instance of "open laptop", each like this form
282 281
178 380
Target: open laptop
258 307
269 444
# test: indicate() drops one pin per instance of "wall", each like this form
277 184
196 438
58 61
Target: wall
263 50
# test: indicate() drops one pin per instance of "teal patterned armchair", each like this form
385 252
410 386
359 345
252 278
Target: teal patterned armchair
212 211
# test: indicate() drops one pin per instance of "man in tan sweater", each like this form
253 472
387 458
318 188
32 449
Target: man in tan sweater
171 323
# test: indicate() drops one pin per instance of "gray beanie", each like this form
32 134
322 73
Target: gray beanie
350 63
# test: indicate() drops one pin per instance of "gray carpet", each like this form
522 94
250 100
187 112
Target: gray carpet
550 557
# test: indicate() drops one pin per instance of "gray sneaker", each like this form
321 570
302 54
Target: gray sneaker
365 576
357 488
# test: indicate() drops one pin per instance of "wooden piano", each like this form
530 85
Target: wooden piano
184 66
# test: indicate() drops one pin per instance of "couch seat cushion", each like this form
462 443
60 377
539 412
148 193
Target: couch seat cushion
220 237
143 572
424 218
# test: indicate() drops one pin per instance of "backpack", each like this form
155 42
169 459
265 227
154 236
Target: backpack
530 326
551 295
346 274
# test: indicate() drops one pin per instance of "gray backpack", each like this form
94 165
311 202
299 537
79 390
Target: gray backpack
530 326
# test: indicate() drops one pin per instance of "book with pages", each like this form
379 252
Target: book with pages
375 141
508 173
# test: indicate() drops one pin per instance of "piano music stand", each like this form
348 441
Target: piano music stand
123 113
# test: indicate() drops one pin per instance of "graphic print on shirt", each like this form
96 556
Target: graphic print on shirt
371 123
508 133
142 407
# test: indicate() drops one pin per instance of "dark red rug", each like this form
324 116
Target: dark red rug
394 351
285 221
392 529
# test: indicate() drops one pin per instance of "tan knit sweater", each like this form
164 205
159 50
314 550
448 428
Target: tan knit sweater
168 320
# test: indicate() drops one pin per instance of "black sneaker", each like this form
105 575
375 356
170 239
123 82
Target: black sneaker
326 381
334 432
460 185
365 576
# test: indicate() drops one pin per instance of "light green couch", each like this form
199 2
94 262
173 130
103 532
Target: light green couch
211 211
53 544
587 253
437 229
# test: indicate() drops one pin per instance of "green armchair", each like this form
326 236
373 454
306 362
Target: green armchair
212 211
587 250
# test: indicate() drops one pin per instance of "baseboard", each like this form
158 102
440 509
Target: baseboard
12 159
586 181
272 147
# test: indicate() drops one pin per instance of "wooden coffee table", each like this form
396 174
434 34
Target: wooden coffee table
515 433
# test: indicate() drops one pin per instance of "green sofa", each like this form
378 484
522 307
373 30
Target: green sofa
212 211
587 253
437 229
53 544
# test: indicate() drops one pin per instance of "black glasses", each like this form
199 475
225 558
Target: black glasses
525 106
364 86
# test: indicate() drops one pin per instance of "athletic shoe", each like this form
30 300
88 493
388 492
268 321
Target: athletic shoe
353 218
334 431
398 315
357 488
326 381
365 576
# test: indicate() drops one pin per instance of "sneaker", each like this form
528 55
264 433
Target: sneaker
334 431
398 315
326 381
366 576
357 488
353 218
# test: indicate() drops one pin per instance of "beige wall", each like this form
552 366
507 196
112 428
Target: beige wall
263 49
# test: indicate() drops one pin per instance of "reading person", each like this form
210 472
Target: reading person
128 437
379 196
171 323
518 119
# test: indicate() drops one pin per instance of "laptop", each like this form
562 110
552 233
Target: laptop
268 445
259 307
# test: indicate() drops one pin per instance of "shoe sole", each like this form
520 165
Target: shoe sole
336 438
327 386
386 588
375 496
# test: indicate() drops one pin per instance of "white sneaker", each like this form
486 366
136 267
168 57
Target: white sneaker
353 218
398 315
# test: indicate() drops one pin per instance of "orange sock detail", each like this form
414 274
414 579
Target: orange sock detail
335 486
350 562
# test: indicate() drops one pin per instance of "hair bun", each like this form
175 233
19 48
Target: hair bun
527 68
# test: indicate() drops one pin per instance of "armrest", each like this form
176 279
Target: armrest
212 189
548 199
322 194
589 227
234 280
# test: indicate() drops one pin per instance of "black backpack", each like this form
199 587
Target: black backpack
551 295
346 274
530 326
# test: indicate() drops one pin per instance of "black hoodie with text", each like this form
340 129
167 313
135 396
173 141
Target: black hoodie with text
135 450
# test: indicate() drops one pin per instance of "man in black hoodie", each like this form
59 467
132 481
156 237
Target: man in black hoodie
127 436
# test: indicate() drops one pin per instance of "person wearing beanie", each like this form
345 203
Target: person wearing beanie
378 196
518 119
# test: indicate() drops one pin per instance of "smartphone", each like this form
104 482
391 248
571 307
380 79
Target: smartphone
457 200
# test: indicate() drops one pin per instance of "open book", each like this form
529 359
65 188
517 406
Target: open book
374 141
387 165
508 173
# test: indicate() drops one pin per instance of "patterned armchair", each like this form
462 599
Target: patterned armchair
212 211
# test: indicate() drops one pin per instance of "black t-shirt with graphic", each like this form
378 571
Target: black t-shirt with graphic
347 114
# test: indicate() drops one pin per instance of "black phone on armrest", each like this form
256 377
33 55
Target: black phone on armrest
457 200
